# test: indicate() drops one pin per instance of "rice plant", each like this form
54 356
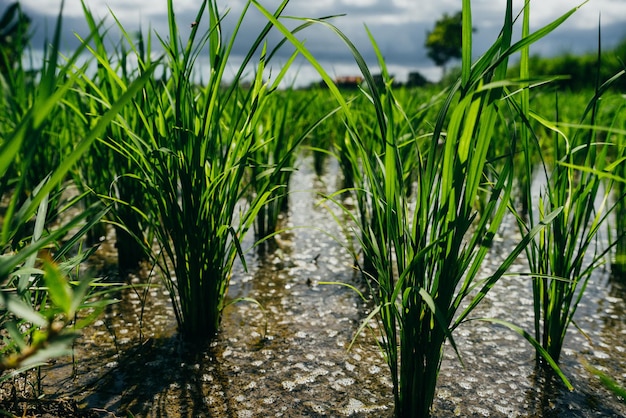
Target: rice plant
324 139
191 150
565 254
278 133
102 172
42 295
426 252
607 381
618 139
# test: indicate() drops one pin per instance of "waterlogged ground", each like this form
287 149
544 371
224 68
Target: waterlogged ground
290 359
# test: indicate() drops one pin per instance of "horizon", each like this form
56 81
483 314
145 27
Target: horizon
399 28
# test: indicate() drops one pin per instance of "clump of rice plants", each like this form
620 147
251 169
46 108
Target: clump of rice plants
426 252
192 155
565 254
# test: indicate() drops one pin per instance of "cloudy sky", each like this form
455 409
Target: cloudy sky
399 26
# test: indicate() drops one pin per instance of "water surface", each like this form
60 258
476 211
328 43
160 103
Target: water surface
291 357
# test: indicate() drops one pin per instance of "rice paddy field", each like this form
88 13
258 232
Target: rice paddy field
176 243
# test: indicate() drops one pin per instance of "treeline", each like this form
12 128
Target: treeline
579 71
573 72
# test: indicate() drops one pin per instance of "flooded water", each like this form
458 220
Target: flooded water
291 358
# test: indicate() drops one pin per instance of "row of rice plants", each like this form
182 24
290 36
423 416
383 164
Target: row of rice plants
40 242
208 159
279 132
422 256
567 252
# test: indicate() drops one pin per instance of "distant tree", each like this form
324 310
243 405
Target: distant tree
416 79
14 36
444 41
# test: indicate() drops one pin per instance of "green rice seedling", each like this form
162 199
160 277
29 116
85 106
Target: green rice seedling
427 252
14 37
565 254
40 303
410 145
607 381
618 139
193 160
276 140
283 126
45 147
609 130
55 83
619 263
14 40
106 174
322 141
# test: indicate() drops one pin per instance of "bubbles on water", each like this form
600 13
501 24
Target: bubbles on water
601 354
301 367
374 369
480 411
355 406
341 384
504 410
317 408
288 385
489 393
465 385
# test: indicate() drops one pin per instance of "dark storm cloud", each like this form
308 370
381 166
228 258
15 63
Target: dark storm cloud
399 27
43 26
400 42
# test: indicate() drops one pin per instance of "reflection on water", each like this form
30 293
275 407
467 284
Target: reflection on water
290 358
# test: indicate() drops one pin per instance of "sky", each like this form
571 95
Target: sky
398 26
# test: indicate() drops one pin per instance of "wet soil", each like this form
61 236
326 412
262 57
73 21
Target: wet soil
290 358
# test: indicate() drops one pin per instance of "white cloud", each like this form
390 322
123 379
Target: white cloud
359 3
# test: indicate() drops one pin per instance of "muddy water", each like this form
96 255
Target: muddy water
291 358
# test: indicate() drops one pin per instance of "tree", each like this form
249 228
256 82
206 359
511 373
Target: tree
416 79
444 42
